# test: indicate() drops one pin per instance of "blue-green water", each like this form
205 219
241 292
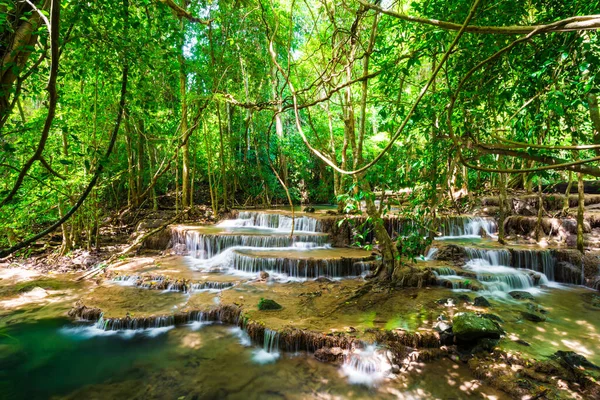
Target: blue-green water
55 359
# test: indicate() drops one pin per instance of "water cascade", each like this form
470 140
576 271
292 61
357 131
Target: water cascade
298 267
493 257
204 246
540 261
493 270
367 366
467 227
273 221
270 351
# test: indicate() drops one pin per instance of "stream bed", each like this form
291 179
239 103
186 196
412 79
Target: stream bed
54 358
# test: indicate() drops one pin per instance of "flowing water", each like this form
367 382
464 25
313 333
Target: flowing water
464 226
52 358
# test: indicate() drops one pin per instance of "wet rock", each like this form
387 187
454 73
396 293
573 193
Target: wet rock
485 345
573 360
481 302
451 252
264 275
522 342
536 308
309 209
520 295
330 354
323 279
470 327
492 317
533 316
268 304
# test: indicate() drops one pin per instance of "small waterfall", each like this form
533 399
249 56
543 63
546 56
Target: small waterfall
127 280
494 257
431 254
540 261
297 267
273 221
270 350
368 366
500 278
441 271
129 323
206 246
467 226
210 286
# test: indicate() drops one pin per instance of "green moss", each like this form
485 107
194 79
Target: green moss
469 326
268 304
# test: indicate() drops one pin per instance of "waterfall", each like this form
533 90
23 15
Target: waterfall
270 351
540 261
441 271
128 323
204 246
467 226
494 257
431 254
368 366
273 221
297 267
499 278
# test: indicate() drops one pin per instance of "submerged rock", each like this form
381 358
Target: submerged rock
520 295
481 302
470 327
533 316
268 304
263 275
330 354
573 360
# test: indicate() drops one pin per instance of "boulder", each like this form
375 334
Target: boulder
481 302
263 275
573 360
520 295
268 304
533 316
330 354
470 327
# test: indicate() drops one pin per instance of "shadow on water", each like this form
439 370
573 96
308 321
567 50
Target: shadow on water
54 359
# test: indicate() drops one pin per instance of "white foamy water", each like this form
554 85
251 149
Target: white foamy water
368 366
88 332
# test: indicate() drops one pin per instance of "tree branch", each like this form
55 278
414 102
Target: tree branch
579 23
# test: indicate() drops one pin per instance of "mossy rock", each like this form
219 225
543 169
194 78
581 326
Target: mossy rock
268 304
470 327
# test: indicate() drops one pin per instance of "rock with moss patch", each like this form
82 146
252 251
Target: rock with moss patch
481 302
521 295
268 304
470 327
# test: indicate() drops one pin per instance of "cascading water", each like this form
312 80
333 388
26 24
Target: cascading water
493 271
493 257
297 267
367 366
540 261
270 351
273 221
467 227
204 246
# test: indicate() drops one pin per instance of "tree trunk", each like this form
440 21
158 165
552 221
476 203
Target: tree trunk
580 210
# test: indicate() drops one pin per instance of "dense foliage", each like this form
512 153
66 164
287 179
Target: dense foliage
218 93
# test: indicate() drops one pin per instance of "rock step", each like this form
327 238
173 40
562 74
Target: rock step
311 263
163 282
